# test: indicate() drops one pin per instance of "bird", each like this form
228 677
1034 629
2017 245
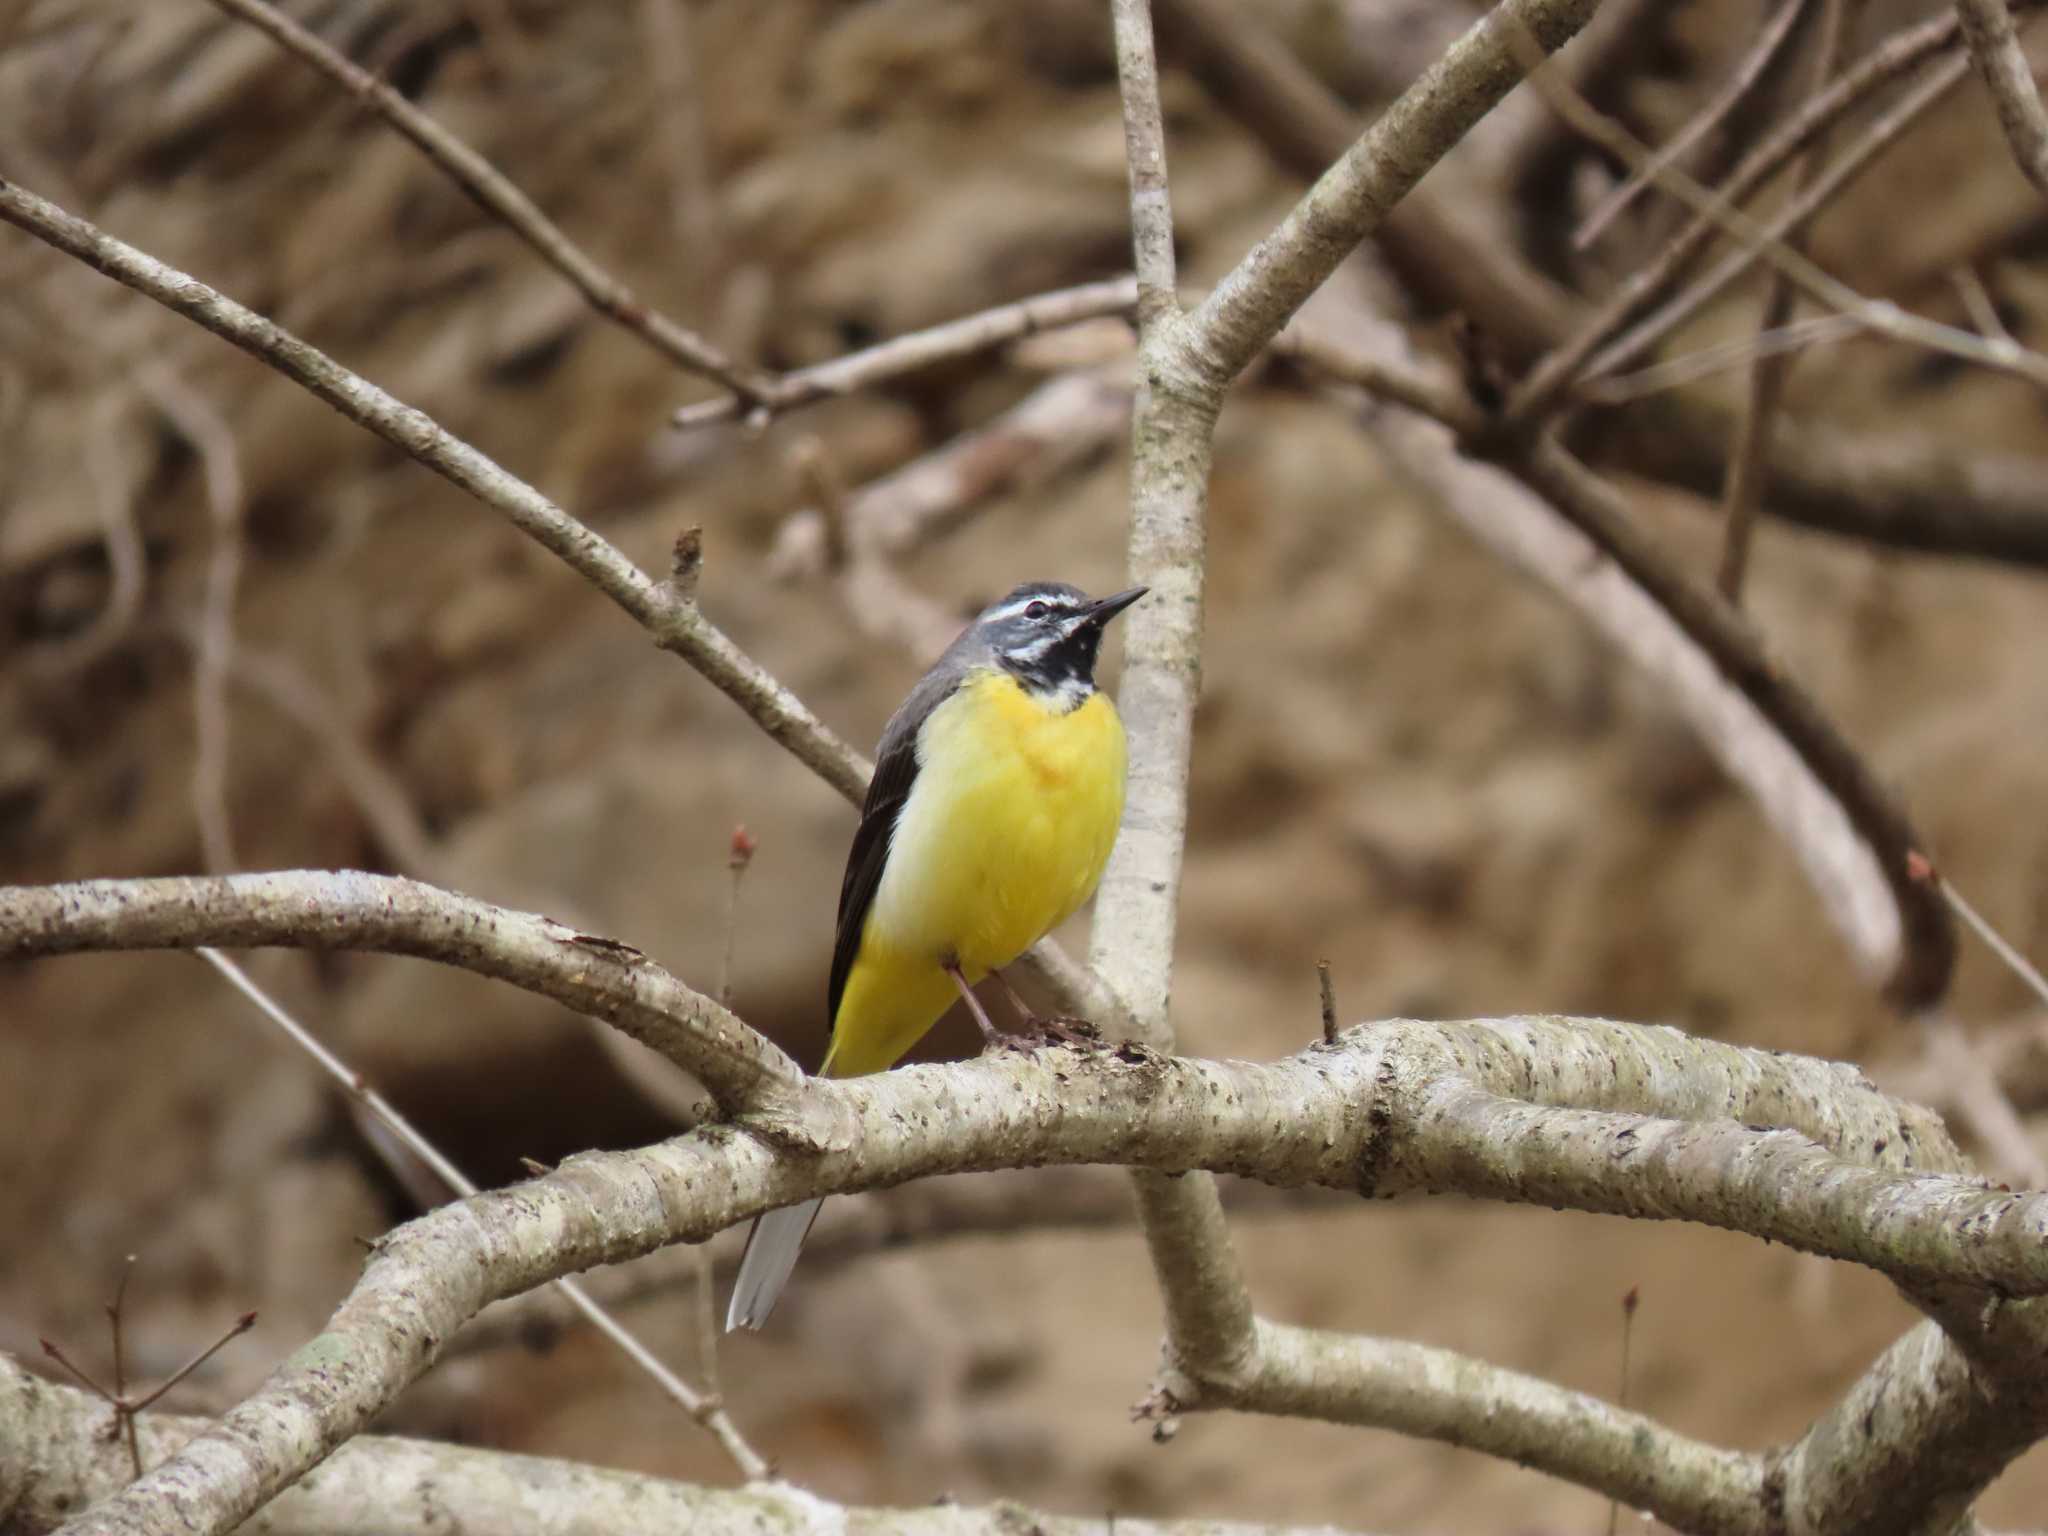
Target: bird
997 795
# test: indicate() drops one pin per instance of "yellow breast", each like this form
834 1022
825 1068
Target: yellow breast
1005 834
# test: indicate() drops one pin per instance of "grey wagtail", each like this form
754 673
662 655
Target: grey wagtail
998 788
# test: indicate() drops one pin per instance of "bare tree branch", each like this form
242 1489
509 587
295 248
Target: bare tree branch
1889 488
1896 55
1248 308
1862 152
1137 907
671 618
1741 81
1009 1203
484 182
315 909
1901 488
1436 1394
1995 46
704 1406
54 1459
1749 465
1662 1125
919 350
1063 422
1307 128
1776 246
1853 840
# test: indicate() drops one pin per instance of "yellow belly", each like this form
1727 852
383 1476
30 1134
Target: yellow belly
1004 836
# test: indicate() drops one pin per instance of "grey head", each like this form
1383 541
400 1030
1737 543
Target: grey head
1046 634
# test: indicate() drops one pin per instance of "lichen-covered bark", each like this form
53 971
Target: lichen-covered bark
55 1458
1394 1106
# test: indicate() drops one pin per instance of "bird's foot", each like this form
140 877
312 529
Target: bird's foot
1064 1030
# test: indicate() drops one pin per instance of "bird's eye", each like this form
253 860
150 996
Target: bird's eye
1036 611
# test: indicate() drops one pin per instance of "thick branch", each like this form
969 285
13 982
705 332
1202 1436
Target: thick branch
55 1457
1907 489
1437 1394
1249 306
320 909
1173 425
1397 1106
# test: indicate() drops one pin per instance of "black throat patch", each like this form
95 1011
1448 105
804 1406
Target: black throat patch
1061 670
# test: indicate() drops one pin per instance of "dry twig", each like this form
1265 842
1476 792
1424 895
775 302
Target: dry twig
492 191
1995 46
1748 71
949 342
1748 467
704 1407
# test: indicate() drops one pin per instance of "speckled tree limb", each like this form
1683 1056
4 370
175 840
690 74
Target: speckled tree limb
1173 422
1437 1394
1248 308
55 1457
1401 1105
1186 361
327 909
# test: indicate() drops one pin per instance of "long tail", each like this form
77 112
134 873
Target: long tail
772 1247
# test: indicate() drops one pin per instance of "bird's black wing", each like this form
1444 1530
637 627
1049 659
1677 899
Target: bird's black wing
895 772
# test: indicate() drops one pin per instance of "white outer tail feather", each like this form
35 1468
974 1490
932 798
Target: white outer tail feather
772 1247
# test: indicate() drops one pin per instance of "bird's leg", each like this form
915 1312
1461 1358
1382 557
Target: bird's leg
1024 1010
1068 1031
990 1035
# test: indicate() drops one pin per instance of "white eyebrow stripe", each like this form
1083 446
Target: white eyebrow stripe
1066 607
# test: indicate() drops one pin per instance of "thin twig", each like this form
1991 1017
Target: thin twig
676 623
1995 46
484 182
705 1409
1972 1088
1568 360
1329 1001
1768 242
1628 1329
76 1372
1066 421
1577 537
1722 357
213 652
1195 1265
1749 465
235 1330
1748 71
1877 137
1978 305
1924 871
945 343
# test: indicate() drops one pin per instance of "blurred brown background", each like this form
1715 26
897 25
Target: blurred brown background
1408 760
